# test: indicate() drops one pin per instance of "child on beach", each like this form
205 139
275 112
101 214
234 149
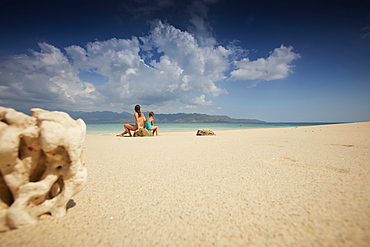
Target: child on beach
149 123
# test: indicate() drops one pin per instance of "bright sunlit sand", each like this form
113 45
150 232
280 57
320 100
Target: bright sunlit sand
306 186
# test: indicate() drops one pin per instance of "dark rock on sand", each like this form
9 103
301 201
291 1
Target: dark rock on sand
143 132
205 132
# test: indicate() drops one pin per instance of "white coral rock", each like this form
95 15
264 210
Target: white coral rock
42 165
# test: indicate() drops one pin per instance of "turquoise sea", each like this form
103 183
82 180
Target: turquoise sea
117 128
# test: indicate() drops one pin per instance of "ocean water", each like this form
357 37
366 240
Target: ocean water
118 128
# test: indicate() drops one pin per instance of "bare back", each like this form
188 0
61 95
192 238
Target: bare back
140 120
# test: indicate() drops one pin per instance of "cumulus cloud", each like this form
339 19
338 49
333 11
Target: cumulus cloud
166 66
276 66
43 77
194 67
201 100
198 22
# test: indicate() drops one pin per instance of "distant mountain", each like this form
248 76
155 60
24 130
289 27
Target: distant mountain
199 118
125 117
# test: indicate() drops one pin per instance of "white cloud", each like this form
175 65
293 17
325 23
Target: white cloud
199 24
166 66
276 66
201 100
189 107
201 65
44 77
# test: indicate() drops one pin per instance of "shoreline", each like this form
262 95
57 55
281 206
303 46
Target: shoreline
224 129
109 133
304 186
110 128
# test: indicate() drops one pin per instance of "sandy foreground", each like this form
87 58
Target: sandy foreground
306 186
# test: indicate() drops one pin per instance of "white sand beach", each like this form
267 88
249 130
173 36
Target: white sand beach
306 186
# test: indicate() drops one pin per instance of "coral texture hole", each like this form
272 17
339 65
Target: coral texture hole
6 197
42 165
56 189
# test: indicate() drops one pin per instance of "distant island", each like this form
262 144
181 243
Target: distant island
125 117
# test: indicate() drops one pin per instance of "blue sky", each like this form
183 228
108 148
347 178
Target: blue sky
277 61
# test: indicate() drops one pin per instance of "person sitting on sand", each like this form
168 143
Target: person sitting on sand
149 123
140 122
